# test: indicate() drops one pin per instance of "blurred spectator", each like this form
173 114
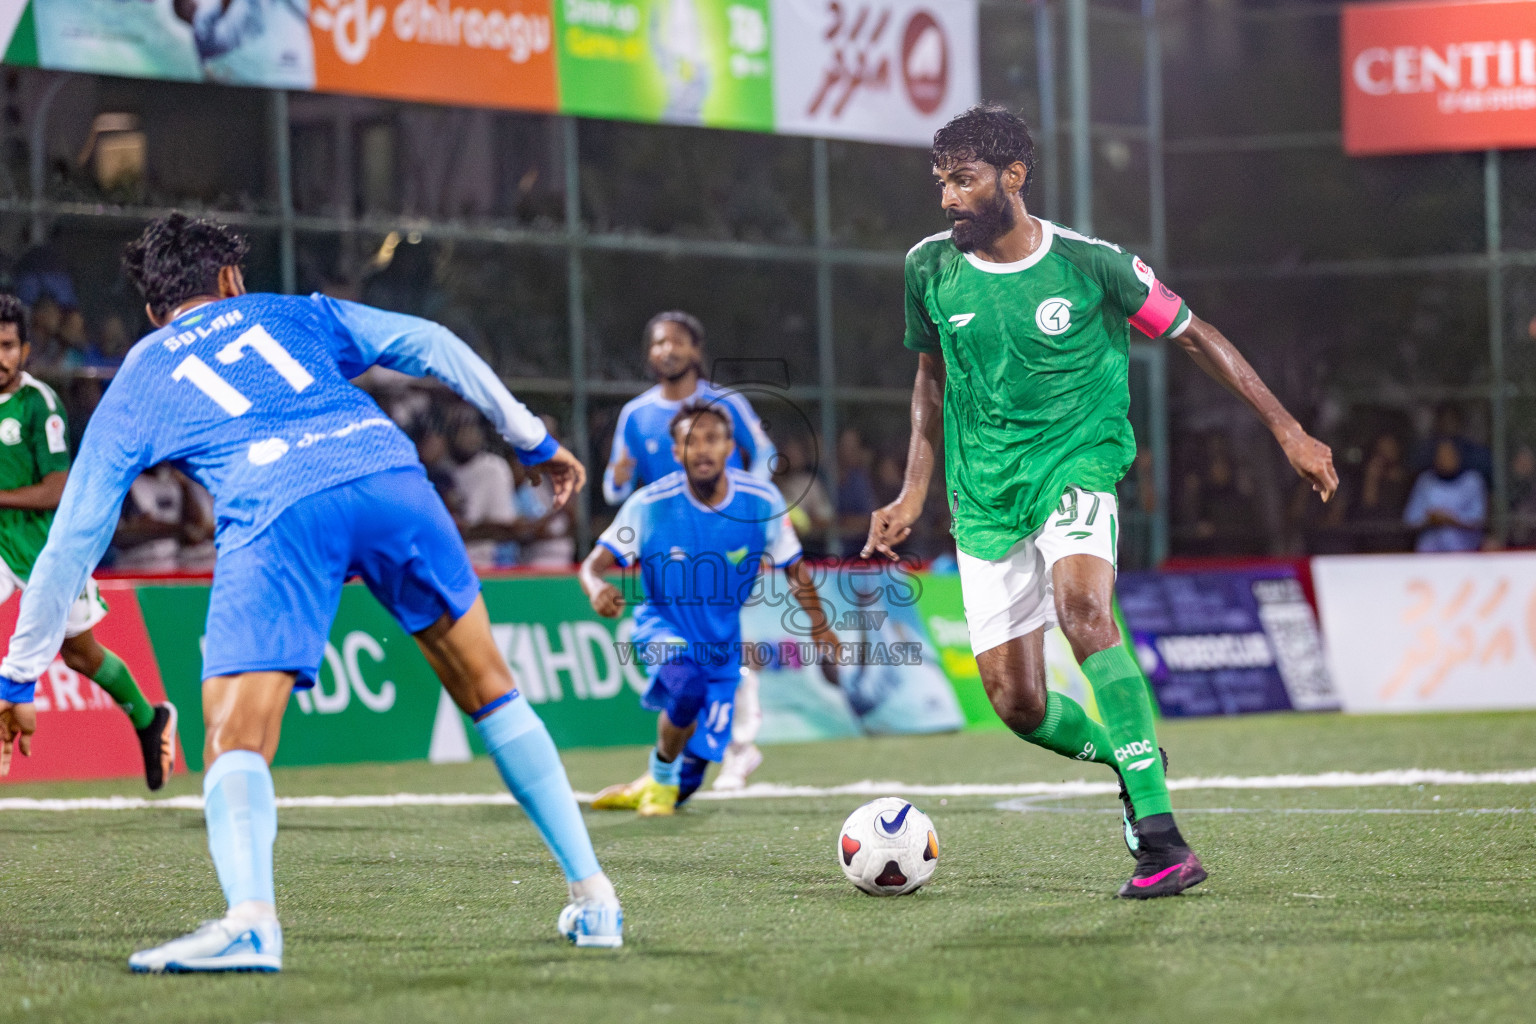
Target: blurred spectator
888 478
1221 506
49 349
1522 498
855 490
546 536
1376 511
198 552
1450 425
111 344
41 274
1448 504
149 534
432 450
810 507
485 486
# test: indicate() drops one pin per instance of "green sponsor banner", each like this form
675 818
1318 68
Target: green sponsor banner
376 699
701 62
943 613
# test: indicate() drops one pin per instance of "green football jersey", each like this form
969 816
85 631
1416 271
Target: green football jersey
1037 396
33 443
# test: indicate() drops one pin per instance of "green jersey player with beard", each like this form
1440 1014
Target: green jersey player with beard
1022 330
34 464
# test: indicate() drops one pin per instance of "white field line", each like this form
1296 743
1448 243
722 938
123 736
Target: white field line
764 790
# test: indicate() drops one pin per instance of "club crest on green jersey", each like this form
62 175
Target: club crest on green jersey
1054 316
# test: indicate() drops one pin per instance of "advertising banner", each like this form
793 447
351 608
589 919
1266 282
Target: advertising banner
484 53
81 734
702 62
880 70
1430 632
1224 643
891 679
943 612
376 699
877 70
243 42
1427 77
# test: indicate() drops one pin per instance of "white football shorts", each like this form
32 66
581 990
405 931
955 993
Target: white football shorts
1013 595
89 608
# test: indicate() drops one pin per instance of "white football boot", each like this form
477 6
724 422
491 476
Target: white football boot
228 944
593 924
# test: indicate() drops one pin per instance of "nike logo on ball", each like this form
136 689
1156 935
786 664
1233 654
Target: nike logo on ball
892 827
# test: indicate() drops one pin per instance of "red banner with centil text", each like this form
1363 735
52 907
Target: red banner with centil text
1436 77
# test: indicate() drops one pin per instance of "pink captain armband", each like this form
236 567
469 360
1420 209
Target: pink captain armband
1156 314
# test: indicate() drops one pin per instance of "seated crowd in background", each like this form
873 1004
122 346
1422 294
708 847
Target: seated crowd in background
1395 496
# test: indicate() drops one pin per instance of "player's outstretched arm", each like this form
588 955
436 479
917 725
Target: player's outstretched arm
606 598
43 495
362 336
1222 362
892 524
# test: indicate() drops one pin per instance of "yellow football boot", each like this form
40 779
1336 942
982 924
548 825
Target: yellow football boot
623 797
656 800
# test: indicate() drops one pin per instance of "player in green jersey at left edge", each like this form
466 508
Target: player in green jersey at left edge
34 464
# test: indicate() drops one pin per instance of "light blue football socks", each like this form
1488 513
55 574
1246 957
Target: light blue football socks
668 773
531 767
240 808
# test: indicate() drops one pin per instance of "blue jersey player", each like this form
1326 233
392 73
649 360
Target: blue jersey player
642 454
700 537
642 446
312 483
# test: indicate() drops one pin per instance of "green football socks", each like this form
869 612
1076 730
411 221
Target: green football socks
1067 730
114 677
1126 706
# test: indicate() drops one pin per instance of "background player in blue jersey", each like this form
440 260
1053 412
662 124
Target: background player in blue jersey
642 450
642 454
700 537
249 394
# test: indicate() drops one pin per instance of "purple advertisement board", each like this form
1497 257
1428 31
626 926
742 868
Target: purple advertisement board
1229 642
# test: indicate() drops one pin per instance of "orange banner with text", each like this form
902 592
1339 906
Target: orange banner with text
1437 77
490 53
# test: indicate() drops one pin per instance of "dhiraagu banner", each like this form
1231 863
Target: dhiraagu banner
698 62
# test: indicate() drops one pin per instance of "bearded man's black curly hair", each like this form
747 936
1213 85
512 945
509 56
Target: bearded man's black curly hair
179 258
987 132
13 312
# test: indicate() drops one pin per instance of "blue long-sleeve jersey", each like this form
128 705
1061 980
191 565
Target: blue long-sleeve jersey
251 397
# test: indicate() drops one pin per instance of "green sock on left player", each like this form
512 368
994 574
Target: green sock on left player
114 677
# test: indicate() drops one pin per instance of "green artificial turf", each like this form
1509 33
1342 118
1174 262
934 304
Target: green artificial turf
1409 904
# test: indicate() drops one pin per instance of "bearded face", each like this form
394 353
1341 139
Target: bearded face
989 218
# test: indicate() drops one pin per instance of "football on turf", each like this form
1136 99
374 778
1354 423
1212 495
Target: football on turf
888 847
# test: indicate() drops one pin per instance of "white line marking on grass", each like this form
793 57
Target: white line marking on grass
772 791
